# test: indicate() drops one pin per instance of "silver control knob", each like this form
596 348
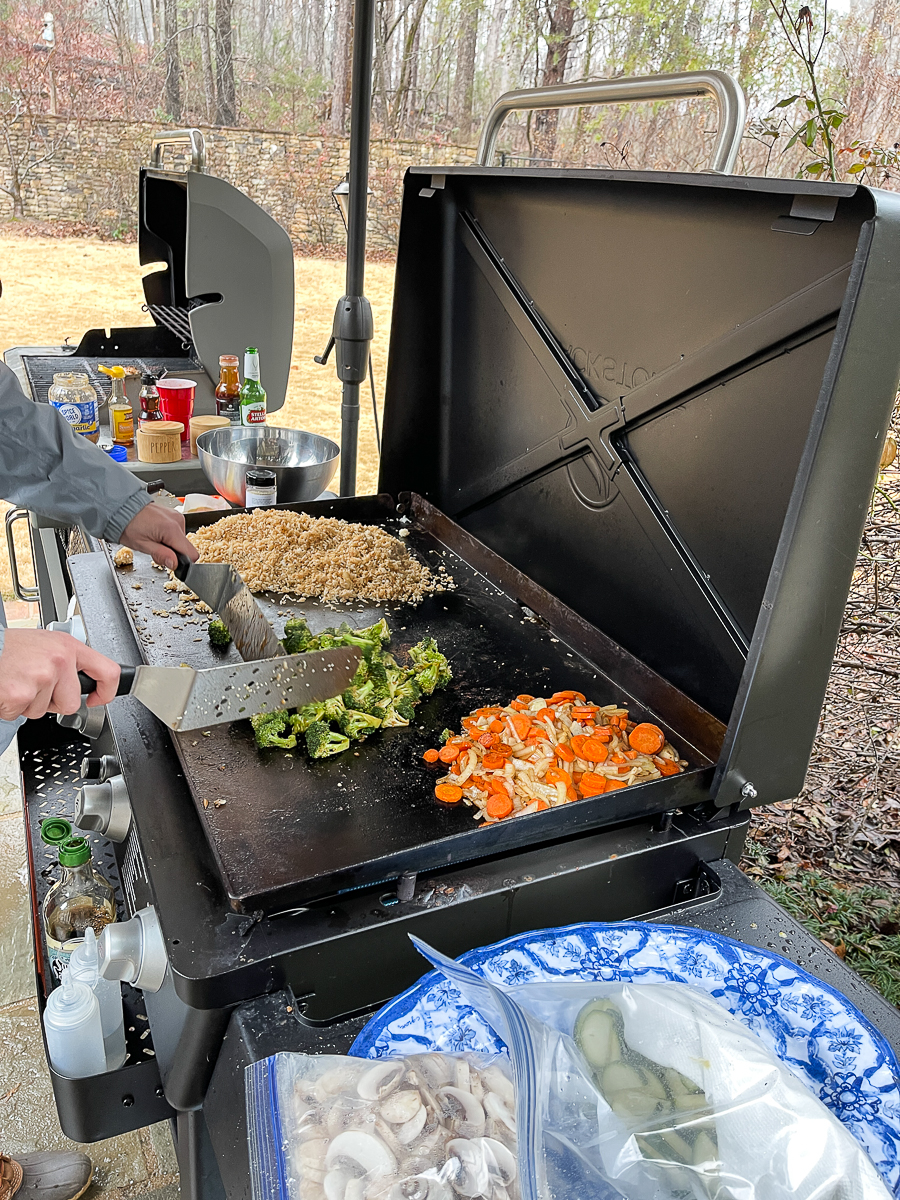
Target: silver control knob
104 808
134 951
98 770
88 722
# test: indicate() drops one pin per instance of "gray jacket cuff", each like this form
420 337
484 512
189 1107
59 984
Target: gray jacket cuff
129 510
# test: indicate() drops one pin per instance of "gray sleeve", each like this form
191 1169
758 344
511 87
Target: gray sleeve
56 473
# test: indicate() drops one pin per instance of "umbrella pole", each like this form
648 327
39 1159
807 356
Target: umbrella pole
353 318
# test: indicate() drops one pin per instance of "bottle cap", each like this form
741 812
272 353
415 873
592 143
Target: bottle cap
117 453
71 1002
260 477
148 379
228 360
84 961
55 831
74 852
112 372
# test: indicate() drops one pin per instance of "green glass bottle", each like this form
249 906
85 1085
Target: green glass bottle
253 396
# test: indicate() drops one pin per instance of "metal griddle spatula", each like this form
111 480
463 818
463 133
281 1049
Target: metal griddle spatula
185 699
220 586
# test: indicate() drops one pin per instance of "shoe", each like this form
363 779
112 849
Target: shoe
62 1175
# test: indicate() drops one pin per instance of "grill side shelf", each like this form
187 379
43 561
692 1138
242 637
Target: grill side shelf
131 1097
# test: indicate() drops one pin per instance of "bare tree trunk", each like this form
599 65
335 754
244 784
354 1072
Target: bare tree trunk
342 48
226 104
559 41
173 61
206 60
464 84
405 66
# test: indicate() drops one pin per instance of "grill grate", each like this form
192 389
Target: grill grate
41 369
175 319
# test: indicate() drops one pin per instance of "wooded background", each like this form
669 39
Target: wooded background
439 64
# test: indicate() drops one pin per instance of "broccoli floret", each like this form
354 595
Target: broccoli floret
431 667
359 697
369 640
307 715
218 633
405 709
322 741
446 735
272 730
333 710
297 637
403 687
393 719
357 725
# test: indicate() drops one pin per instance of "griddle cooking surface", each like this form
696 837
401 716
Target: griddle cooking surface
41 369
292 829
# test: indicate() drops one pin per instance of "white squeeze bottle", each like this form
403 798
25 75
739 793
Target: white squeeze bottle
74 1031
84 967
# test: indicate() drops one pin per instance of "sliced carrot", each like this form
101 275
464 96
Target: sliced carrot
502 749
566 753
555 775
517 706
665 766
524 699
497 784
623 770
647 738
603 733
431 756
488 739
571 794
450 793
496 726
577 744
631 754
613 785
499 806
493 762
593 750
561 697
448 753
488 712
617 757
542 805
521 725
545 714
588 711
592 784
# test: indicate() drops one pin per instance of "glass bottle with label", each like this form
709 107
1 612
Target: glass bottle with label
80 898
149 402
228 389
253 396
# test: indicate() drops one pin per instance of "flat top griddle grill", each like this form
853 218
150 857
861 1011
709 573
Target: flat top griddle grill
292 829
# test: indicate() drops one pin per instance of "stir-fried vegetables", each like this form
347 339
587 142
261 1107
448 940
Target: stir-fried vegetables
534 754
381 695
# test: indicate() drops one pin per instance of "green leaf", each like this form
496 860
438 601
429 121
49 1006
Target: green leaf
810 132
836 120
793 140
815 168
856 168
786 103
810 106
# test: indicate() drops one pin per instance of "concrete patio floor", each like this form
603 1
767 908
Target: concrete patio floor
136 1164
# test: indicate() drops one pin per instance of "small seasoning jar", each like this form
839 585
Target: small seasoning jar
261 490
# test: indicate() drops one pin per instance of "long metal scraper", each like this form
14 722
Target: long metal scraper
186 699
220 586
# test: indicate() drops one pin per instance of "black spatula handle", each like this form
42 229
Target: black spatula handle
184 565
126 679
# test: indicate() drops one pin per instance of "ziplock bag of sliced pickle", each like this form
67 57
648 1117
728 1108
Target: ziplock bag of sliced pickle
425 1127
654 1092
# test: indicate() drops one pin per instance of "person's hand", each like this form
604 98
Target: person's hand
159 532
39 674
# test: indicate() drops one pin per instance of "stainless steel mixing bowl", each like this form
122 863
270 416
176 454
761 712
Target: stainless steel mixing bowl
304 463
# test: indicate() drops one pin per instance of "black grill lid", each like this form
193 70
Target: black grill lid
229 279
663 397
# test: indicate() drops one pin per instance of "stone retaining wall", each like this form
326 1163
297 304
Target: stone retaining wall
90 174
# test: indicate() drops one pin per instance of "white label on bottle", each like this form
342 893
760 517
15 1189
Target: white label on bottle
259 497
253 414
59 953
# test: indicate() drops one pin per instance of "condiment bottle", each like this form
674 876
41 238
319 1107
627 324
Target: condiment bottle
261 488
149 402
253 396
228 389
74 398
81 897
84 967
74 1030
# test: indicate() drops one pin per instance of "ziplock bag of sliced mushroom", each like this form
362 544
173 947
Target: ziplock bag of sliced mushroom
654 1092
426 1127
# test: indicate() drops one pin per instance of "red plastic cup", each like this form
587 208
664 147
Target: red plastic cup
176 401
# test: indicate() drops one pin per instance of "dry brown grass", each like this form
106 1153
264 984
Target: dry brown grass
58 288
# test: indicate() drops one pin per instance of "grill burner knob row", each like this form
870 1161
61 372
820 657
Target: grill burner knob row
104 807
134 951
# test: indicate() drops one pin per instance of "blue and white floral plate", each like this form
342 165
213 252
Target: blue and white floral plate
812 1028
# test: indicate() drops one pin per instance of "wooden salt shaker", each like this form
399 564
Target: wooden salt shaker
201 425
160 442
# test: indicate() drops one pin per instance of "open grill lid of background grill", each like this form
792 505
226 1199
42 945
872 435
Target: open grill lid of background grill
663 398
229 276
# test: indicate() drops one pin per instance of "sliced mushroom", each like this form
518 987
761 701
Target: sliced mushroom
310 1190
494 1078
410 1130
335 1183
379 1081
364 1152
482 1165
462 1107
401 1107
333 1082
420 1187
388 1136
343 1113
356 1189
495 1108
462 1074
435 1069
312 1153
